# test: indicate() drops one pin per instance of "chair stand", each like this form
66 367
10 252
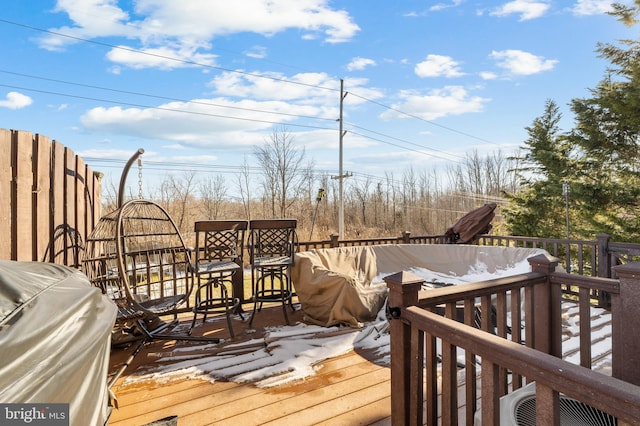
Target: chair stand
267 290
148 335
206 303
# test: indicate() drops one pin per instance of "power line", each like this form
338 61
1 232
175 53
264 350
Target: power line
127 92
405 148
283 80
420 118
131 104
229 170
156 55
395 184
405 141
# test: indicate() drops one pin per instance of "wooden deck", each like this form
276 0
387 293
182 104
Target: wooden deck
348 390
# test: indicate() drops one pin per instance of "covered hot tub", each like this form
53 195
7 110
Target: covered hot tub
345 285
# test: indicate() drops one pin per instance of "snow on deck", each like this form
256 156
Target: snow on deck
290 353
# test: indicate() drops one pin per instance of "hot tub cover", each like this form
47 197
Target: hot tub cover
344 285
55 331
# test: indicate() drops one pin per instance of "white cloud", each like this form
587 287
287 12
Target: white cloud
592 7
189 123
186 27
358 64
441 6
122 154
527 9
517 62
450 100
99 15
242 108
92 18
257 52
308 87
15 100
435 8
488 75
437 66
161 57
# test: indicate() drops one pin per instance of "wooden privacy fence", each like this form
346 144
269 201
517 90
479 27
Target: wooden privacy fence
50 197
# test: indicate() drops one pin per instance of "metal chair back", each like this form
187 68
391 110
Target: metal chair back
272 240
272 247
219 241
218 262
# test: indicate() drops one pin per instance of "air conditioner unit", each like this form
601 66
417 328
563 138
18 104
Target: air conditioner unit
519 409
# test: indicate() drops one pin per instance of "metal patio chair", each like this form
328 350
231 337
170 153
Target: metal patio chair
272 246
218 257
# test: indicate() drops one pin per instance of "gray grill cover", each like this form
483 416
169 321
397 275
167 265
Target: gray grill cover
55 339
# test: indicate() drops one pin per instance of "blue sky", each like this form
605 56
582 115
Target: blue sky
198 84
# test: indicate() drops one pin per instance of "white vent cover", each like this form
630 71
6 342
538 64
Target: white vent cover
519 409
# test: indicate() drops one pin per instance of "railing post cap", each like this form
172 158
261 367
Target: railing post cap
403 279
628 270
543 259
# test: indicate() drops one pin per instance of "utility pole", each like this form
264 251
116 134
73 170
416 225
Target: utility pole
341 175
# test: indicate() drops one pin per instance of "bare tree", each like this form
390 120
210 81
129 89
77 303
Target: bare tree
177 195
213 191
244 188
283 170
361 194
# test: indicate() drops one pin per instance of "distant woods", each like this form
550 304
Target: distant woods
285 184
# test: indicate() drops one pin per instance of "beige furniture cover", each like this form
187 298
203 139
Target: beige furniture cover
344 285
55 339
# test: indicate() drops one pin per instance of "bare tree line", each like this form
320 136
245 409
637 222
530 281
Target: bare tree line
423 202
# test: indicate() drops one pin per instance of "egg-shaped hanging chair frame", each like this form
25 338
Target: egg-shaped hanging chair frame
154 264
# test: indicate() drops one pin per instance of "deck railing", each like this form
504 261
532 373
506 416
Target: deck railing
474 318
594 258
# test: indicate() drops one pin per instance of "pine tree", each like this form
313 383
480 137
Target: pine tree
605 141
537 209
598 158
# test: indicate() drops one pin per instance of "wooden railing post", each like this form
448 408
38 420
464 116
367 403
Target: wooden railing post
604 268
604 260
405 238
403 292
625 323
547 300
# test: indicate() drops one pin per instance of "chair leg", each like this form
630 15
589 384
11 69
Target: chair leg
227 308
238 311
272 293
284 311
289 291
253 314
284 292
193 322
